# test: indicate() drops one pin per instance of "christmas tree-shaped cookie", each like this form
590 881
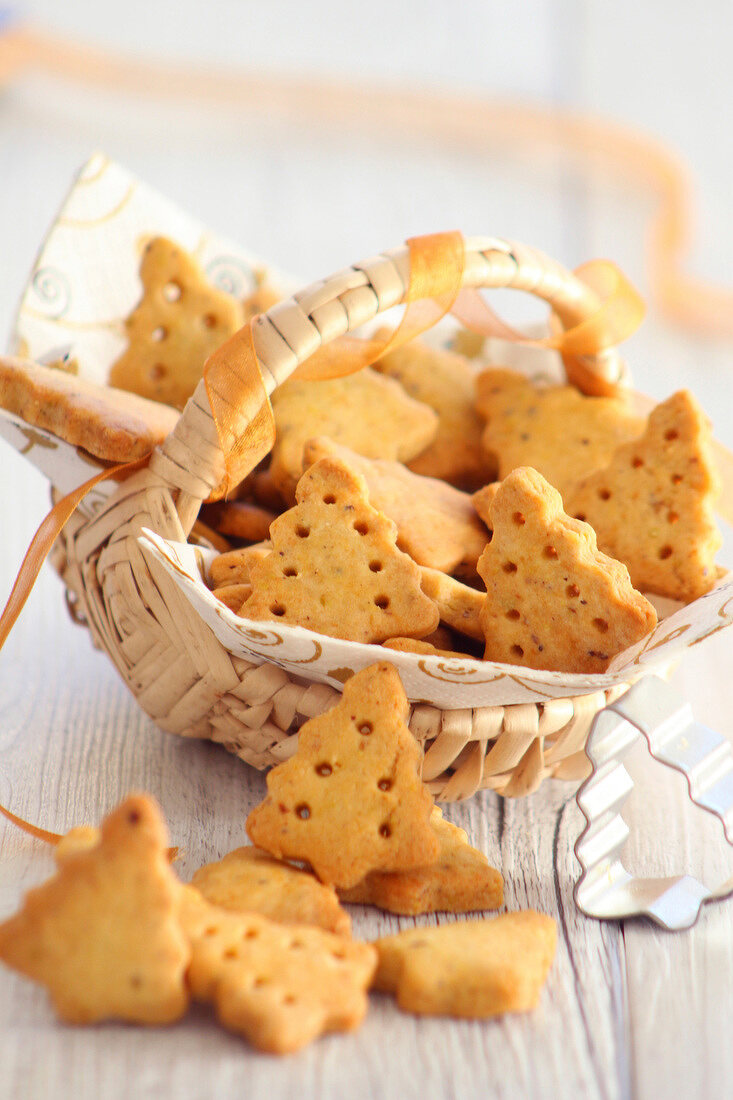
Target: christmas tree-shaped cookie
103 934
351 800
553 600
180 320
652 505
558 431
335 567
460 881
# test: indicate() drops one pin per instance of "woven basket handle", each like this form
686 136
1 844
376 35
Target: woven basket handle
191 460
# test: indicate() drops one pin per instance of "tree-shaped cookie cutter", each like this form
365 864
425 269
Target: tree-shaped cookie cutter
655 711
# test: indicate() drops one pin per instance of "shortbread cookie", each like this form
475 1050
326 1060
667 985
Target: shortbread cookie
233 567
436 524
350 800
250 879
240 519
553 600
460 881
109 424
335 567
483 499
458 605
281 986
447 383
366 412
103 933
470 968
233 595
265 491
558 431
652 506
424 648
179 322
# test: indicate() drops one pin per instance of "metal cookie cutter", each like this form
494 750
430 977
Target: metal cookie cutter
605 888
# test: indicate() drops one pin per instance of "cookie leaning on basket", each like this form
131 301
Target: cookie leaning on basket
652 506
553 600
110 424
361 753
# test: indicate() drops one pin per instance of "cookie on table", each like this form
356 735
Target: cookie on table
350 800
557 430
179 322
110 424
250 879
474 969
460 881
281 986
335 567
652 505
103 934
437 525
447 383
553 601
364 411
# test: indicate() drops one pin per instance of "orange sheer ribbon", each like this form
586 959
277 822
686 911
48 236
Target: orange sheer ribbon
44 539
32 830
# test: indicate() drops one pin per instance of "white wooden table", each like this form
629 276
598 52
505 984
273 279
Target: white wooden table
628 1010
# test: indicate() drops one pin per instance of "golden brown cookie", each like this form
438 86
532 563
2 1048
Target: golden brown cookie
351 801
652 506
109 424
483 499
447 383
473 968
103 934
233 566
364 411
458 605
460 881
418 645
558 431
180 320
436 524
553 600
281 986
250 879
239 519
233 595
335 567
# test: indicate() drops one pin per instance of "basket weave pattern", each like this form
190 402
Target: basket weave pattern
180 673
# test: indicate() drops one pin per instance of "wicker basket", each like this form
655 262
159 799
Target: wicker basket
180 673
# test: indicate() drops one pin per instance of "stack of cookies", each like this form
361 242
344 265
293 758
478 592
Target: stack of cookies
267 943
439 509
423 503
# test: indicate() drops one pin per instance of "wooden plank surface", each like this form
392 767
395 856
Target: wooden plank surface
628 1010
